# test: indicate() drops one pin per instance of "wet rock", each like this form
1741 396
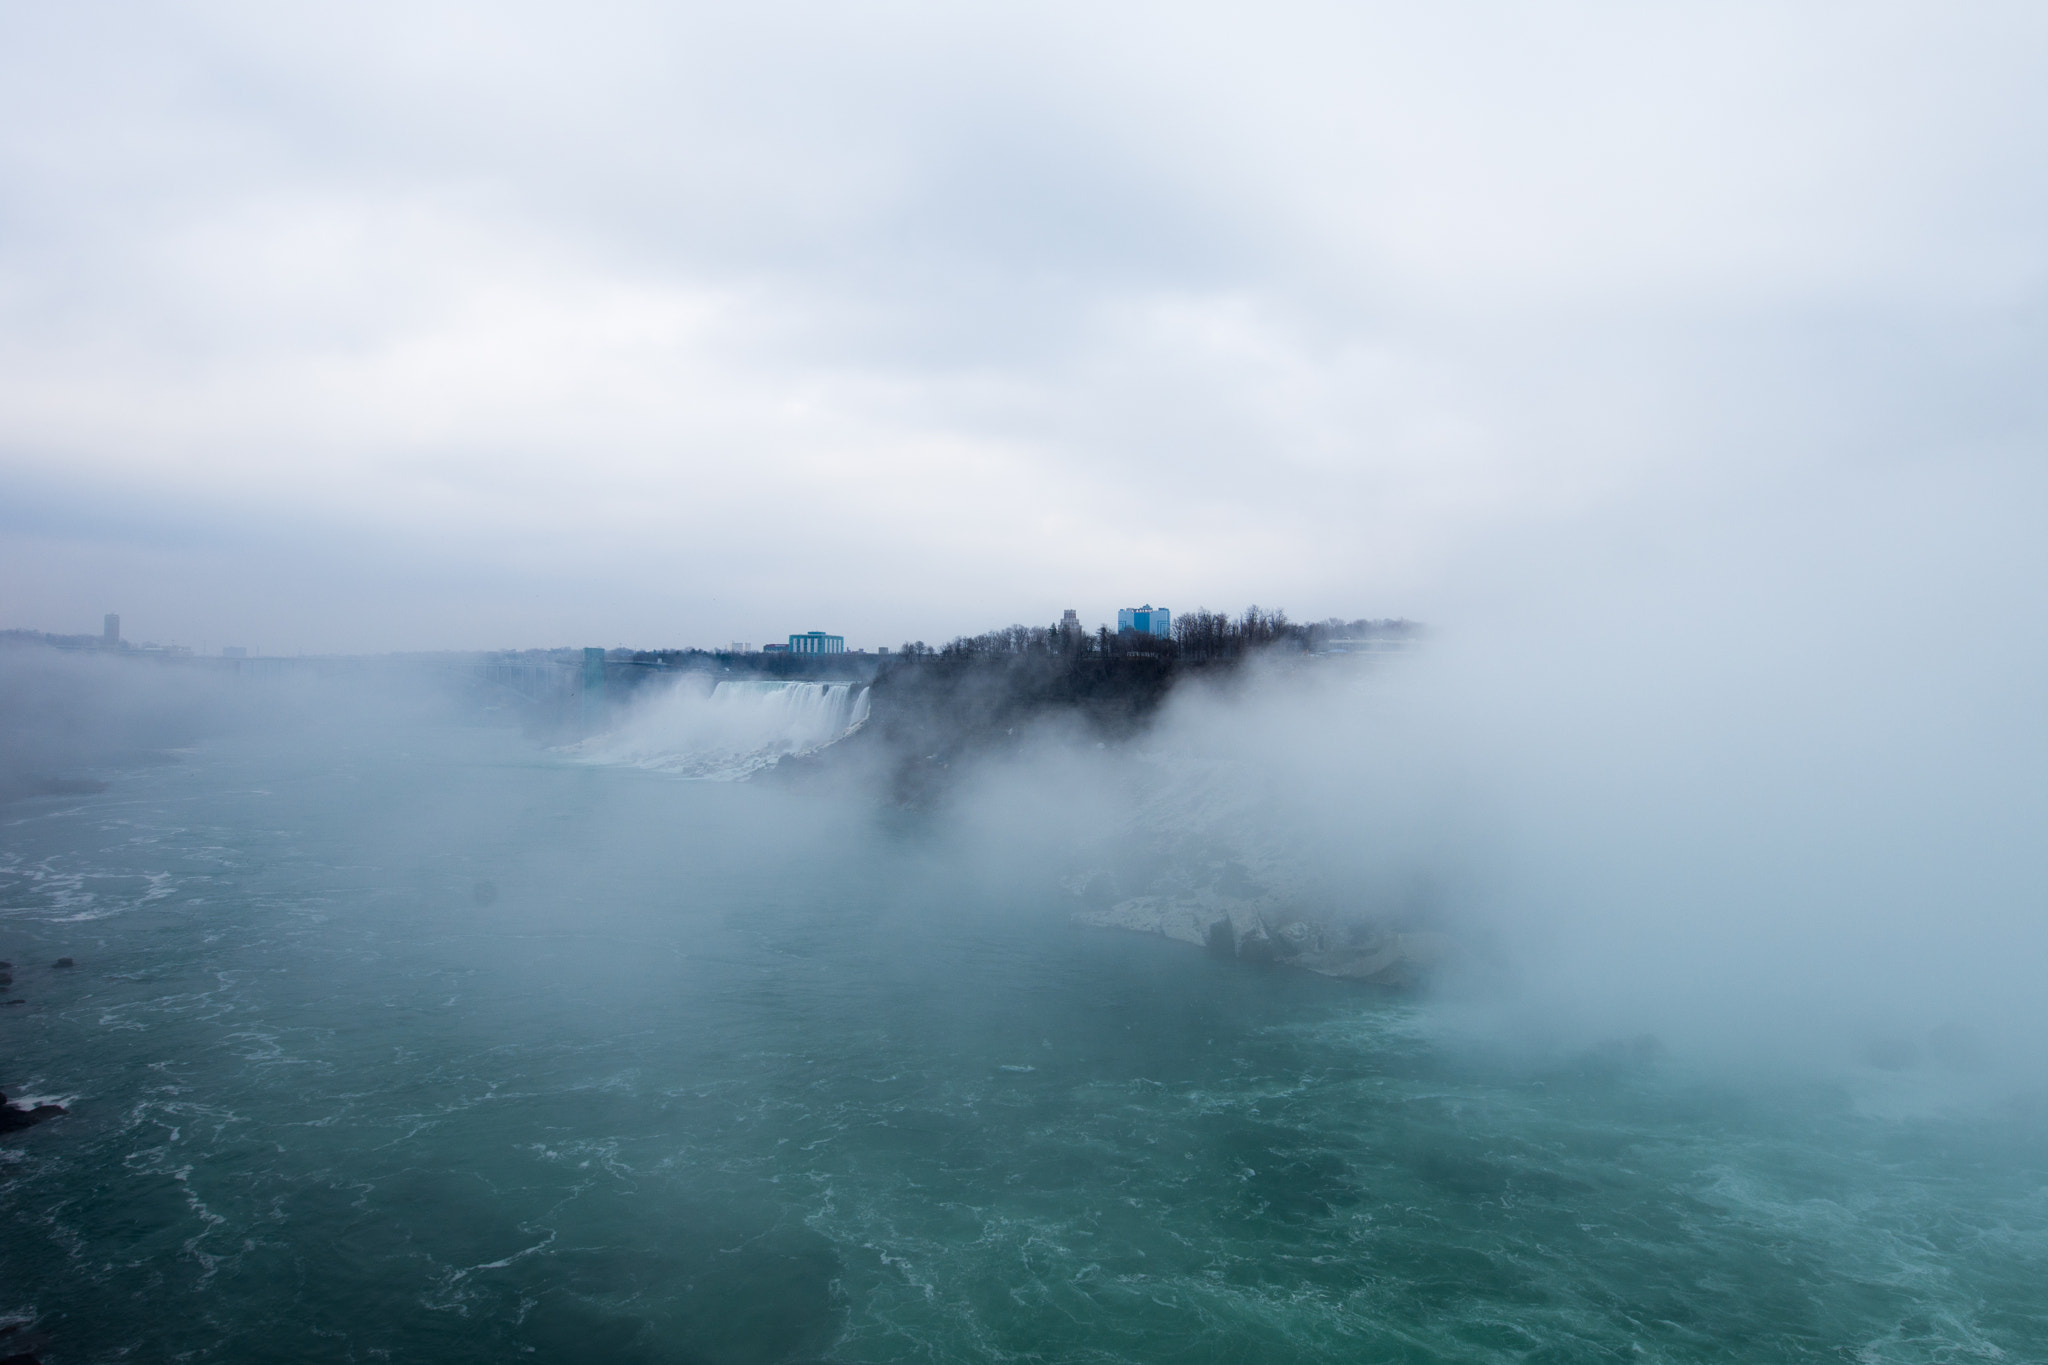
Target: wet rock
1221 940
14 1116
1298 937
1260 931
63 962
1160 915
1378 963
1256 945
20 1344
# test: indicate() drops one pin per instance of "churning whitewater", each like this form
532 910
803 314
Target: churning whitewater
730 730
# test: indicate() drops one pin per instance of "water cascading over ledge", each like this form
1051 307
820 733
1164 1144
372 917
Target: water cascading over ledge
731 730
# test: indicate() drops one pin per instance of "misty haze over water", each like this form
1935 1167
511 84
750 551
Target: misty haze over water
1636 953
392 1028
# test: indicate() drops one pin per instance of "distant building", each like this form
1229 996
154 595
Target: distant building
817 642
1070 622
1146 620
775 649
234 652
740 647
110 631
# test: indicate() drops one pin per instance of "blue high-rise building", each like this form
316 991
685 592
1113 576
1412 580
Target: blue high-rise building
1146 620
817 642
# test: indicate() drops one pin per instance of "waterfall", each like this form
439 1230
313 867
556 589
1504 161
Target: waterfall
731 730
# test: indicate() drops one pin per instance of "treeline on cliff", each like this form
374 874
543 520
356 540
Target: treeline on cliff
932 704
1199 637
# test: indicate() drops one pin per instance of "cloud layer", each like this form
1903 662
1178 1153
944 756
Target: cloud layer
391 326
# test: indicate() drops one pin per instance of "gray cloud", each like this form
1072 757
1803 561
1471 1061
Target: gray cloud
512 325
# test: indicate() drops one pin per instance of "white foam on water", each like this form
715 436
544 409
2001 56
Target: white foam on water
731 730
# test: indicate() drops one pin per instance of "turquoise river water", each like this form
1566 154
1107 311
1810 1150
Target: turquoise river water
427 1044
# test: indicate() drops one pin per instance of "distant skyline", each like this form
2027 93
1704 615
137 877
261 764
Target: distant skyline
420 326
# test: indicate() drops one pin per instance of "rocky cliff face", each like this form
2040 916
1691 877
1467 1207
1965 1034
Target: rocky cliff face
1203 860
1359 950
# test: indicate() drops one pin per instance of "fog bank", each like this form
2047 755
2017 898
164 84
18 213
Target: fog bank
1765 781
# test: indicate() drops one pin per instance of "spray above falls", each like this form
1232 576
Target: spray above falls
731 730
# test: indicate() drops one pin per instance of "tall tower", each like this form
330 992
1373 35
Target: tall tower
110 631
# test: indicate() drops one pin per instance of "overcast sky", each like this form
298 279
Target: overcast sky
394 326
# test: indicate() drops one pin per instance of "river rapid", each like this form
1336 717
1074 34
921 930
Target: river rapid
422 1042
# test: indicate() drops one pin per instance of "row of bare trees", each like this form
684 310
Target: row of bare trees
1199 636
1202 635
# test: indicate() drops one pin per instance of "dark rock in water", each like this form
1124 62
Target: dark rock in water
13 1116
484 893
21 1344
5 965
1353 951
1376 955
6 978
1222 940
63 962
1256 945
